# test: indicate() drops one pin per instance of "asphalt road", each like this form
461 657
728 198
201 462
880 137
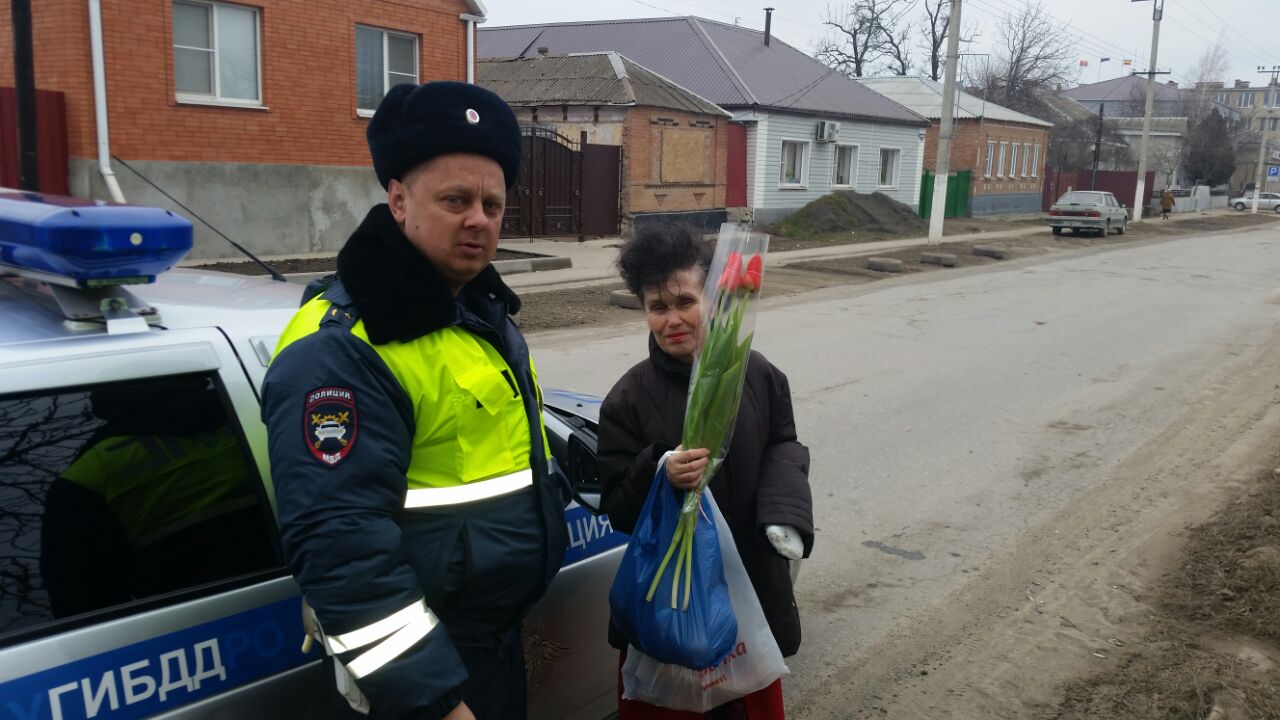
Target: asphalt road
948 413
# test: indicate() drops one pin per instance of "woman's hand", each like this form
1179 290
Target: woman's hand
685 467
462 712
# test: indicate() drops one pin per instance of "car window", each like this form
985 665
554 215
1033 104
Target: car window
1083 198
121 492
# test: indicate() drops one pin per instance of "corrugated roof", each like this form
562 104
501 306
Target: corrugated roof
1122 89
586 79
728 65
924 97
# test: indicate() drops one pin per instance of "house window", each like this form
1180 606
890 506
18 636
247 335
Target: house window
215 52
1275 124
1004 152
1246 99
384 59
991 154
1026 160
792 173
889 167
846 166
1013 161
1035 164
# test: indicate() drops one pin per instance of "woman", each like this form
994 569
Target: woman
762 488
1166 204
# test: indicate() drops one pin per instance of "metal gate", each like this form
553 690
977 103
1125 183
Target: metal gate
51 140
547 199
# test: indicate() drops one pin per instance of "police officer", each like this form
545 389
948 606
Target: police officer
406 440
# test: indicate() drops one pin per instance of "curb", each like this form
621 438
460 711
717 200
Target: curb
624 299
891 265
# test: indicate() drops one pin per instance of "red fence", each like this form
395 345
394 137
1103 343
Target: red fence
1121 183
51 140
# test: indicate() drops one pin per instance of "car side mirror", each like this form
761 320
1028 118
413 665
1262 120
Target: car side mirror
581 456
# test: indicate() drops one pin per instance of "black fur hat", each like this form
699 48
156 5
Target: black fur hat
415 123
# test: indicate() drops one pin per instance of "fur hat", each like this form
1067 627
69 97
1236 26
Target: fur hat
415 123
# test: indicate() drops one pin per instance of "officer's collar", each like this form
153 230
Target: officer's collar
399 293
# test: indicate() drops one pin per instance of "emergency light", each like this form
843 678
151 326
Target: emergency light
88 243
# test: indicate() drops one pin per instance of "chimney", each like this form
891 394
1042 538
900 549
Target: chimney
1241 84
544 50
1172 83
768 24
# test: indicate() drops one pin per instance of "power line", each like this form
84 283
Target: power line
1228 26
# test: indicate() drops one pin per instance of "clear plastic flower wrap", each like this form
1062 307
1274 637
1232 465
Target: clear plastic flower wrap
729 302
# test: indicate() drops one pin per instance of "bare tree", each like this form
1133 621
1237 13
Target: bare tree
864 32
1032 55
933 29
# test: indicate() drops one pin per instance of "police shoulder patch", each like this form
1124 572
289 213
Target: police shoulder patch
329 424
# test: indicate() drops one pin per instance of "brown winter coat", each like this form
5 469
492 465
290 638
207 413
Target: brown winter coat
764 479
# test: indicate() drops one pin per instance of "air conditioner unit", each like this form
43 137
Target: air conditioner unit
828 131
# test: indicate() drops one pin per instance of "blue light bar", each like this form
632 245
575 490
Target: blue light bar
88 243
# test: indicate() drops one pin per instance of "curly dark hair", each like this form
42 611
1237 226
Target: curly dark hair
656 251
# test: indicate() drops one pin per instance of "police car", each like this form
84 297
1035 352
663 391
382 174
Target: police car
140 569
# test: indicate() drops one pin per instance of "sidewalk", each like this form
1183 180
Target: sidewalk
593 261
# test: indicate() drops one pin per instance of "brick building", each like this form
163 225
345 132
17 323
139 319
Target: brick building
1005 150
673 142
251 114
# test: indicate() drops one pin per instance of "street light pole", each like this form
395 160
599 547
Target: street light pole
1262 137
942 168
1140 197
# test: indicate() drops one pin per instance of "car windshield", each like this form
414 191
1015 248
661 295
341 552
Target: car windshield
1082 198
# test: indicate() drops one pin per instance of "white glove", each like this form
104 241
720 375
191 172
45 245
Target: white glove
786 540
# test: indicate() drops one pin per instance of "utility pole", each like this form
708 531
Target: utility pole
24 75
1140 197
1097 147
1262 135
945 127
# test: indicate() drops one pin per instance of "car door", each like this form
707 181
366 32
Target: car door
572 670
143 572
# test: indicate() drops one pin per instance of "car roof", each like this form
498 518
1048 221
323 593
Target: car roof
239 304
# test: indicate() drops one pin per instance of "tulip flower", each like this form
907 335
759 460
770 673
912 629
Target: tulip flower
715 386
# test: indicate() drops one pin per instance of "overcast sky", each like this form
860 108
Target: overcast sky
1106 28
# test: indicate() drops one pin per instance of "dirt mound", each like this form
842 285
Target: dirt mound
843 211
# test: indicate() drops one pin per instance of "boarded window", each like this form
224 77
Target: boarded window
685 157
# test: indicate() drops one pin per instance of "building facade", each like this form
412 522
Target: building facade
673 143
780 95
1005 150
250 114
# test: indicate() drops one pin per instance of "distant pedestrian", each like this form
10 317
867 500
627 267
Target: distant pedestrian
1166 204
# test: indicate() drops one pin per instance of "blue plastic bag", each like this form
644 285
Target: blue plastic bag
697 637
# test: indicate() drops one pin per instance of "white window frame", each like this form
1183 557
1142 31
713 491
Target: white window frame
853 166
216 98
805 148
1013 161
991 155
386 64
897 168
1026 160
1035 166
1004 156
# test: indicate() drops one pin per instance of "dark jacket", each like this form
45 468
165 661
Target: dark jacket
764 479
358 555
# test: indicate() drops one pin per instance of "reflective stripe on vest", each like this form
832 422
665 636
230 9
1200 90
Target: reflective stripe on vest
458 494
